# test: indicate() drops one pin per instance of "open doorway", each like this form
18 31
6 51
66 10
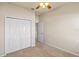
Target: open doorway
36 32
40 33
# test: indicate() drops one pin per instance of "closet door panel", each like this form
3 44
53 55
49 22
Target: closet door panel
28 33
12 39
22 35
17 34
25 34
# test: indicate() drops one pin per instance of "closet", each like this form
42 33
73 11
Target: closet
17 34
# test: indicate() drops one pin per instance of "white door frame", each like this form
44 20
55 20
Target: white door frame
4 32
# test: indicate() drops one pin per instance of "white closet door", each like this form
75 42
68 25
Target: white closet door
25 31
17 34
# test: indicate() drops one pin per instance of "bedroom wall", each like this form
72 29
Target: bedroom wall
17 12
61 28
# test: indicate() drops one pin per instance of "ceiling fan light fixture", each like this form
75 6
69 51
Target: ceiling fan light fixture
46 4
41 4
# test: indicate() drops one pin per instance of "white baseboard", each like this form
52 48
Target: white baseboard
62 49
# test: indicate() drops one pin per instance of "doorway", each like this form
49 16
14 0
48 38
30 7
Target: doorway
40 32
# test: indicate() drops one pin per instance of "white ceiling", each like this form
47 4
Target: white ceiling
30 5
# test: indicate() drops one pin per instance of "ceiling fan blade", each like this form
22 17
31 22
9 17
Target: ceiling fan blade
38 7
49 7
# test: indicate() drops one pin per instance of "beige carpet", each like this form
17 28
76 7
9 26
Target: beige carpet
41 50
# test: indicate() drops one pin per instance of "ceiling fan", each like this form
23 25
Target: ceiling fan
44 5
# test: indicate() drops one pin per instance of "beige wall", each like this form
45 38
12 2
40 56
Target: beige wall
61 28
17 12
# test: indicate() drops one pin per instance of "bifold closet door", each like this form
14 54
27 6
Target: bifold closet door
17 34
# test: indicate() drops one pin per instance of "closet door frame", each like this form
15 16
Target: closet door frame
5 35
